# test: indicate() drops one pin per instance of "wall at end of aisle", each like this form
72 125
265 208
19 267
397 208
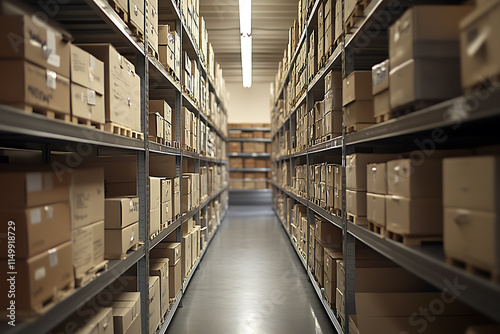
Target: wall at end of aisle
249 105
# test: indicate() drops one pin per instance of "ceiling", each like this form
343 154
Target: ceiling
271 20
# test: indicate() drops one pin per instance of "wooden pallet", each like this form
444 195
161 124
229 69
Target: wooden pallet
411 107
136 31
86 122
63 116
56 297
492 274
378 229
91 274
337 212
354 17
121 130
158 140
123 256
357 220
383 118
152 52
357 127
122 12
413 240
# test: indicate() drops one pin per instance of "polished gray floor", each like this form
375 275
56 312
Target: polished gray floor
250 282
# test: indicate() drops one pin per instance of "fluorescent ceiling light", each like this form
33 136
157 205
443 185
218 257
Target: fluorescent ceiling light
245 17
246 60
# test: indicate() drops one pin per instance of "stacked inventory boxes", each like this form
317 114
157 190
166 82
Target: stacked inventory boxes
152 25
162 114
154 204
329 26
166 47
380 89
176 198
136 17
357 99
169 252
166 202
376 186
187 79
332 120
326 235
321 34
331 255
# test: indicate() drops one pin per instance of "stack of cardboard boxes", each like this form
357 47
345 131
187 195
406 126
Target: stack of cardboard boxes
151 11
329 26
154 299
380 89
160 122
168 253
357 99
154 205
136 10
37 205
167 207
321 34
169 49
332 119
326 235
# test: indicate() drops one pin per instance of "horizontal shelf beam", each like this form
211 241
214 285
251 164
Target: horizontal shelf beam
249 170
257 140
251 129
249 155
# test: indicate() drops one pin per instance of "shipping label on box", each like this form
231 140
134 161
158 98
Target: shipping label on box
121 212
166 212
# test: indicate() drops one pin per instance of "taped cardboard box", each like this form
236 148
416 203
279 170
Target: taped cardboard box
414 216
382 103
376 178
412 178
380 77
136 14
86 70
356 168
34 87
88 247
154 301
375 208
356 202
359 111
472 237
161 271
100 321
39 278
87 104
175 278
121 212
170 250
118 242
161 107
122 86
154 192
186 254
125 314
37 229
30 189
87 196
154 221
166 212
156 126
327 233
25 37
357 86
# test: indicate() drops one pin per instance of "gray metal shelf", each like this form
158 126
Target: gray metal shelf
249 170
162 149
428 262
249 155
248 140
251 129
38 128
61 310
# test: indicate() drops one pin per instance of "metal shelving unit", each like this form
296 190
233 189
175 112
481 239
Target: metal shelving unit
95 21
467 121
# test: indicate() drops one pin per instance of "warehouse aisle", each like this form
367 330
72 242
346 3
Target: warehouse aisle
250 282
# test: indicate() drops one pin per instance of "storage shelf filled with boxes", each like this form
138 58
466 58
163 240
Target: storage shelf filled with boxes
249 156
382 167
114 140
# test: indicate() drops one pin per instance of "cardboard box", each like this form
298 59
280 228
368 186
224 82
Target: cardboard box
194 246
170 250
176 204
375 208
166 212
380 77
381 103
161 270
333 99
26 37
376 178
327 233
415 179
87 104
356 168
156 126
357 86
234 147
333 82
166 190
154 221
155 192
126 317
422 32
424 79
35 229
89 321
472 237
34 189
175 279
186 254
86 70
87 196
120 212
88 247
339 22
38 277
122 86
472 183
318 273
154 301
479 50
161 107
118 242
34 86
339 301
136 14
359 112
414 216
356 202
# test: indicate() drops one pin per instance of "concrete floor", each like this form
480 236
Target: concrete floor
250 282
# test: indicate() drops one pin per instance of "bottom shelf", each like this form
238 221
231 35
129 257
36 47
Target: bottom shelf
324 302
178 300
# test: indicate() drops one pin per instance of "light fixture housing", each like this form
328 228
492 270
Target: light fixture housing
245 10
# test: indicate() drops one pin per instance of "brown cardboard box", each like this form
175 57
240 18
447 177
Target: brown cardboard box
166 190
122 86
170 250
154 221
121 212
87 196
156 126
375 208
166 212
319 110
479 51
380 77
35 229
186 254
89 321
34 86
38 277
339 302
333 83
87 104
333 100
318 272
472 183
359 111
86 70
33 189
356 168
376 178
412 178
332 123
357 86
424 79
194 245
177 204
29 38
175 279
88 247
472 237
136 14
155 192
337 201
234 147
356 202
125 314
414 216
330 197
381 103
154 301
422 32
161 107
118 242
327 233
161 270
339 22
